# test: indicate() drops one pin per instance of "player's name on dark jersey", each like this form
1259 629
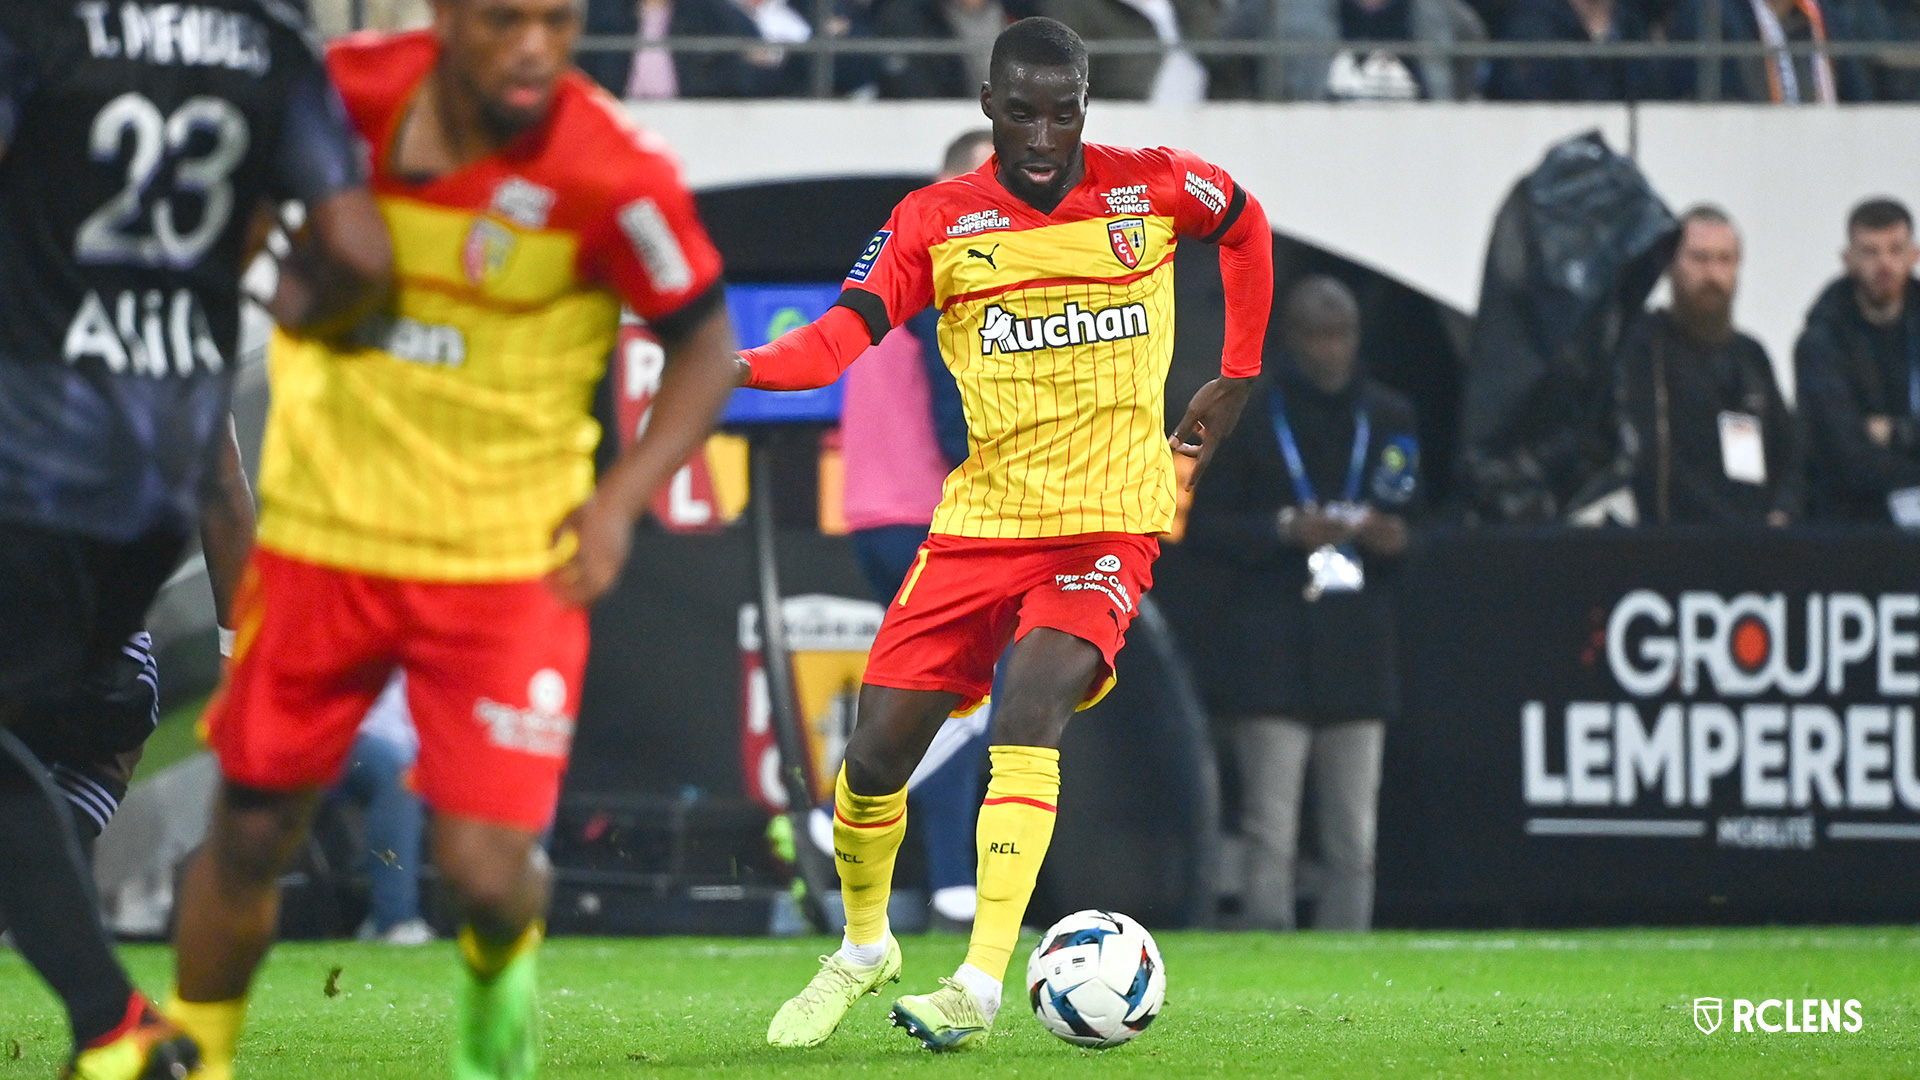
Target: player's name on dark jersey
190 35
140 140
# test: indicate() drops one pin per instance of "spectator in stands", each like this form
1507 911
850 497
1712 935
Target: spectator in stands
976 22
648 72
1858 369
1307 506
331 18
376 778
765 70
1177 78
1358 74
1714 442
1783 77
616 71
1898 79
1580 80
902 431
651 76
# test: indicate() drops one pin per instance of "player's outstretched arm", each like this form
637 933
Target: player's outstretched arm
811 356
1246 276
702 371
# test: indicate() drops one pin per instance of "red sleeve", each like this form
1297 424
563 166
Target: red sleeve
890 282
810 356
896 267
650 246
1246 276
1206 201
1210 207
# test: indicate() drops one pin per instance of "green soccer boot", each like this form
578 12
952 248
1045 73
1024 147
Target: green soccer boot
947 1019
811 1016
495 1038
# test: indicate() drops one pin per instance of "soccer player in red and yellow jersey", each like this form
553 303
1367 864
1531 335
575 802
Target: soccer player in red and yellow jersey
1052 266
428 498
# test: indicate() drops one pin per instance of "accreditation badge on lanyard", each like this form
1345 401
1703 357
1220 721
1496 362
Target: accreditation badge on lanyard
1331 567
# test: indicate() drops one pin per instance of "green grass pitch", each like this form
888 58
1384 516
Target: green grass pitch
1615 1004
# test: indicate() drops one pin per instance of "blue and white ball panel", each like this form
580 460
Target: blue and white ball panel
1096 979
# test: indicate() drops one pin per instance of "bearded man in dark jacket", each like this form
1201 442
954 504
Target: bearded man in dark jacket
1713 441
1858 367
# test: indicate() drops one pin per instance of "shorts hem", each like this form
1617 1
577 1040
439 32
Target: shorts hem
1104 680
970 694
276 785
491 816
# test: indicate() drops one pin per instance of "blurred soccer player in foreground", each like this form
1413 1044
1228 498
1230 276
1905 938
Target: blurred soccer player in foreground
428 499
132 176
1053 268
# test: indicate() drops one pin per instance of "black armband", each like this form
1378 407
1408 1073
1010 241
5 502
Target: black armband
1234 207
871 309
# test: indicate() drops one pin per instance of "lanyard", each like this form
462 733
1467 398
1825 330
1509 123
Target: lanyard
1356 468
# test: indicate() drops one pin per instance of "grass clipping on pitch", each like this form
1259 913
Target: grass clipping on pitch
1560 1004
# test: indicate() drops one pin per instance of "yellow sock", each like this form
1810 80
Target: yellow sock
1016 825
867 830
487 960
214 1025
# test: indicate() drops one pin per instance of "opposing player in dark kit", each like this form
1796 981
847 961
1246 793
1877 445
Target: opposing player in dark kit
140 144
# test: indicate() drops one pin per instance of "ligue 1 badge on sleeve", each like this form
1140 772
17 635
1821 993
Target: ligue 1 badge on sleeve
1128 236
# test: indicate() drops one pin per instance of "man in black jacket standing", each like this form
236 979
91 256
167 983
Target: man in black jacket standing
1713 440
1858 365
1305 506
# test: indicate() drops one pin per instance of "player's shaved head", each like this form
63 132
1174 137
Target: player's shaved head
1037 42
1321 321
1036 96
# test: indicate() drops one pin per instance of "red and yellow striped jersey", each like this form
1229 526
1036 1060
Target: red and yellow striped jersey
1059 330
451 437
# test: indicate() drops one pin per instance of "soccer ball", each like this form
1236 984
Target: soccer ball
1096 979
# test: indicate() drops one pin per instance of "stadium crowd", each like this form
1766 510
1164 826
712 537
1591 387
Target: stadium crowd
1178 76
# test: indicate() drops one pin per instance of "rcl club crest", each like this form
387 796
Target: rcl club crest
489 245
1129 239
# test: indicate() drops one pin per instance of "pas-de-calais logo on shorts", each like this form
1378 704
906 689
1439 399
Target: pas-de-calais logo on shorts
1804 1016
1108 564
543 728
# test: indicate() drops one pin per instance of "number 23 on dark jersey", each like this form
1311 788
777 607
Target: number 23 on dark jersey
139 140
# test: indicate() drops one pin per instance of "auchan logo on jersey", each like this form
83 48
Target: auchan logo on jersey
1001 329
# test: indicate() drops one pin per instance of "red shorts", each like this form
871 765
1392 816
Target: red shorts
493 683
966 598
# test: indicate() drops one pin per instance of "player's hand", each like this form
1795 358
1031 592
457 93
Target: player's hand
1210 419
602 534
